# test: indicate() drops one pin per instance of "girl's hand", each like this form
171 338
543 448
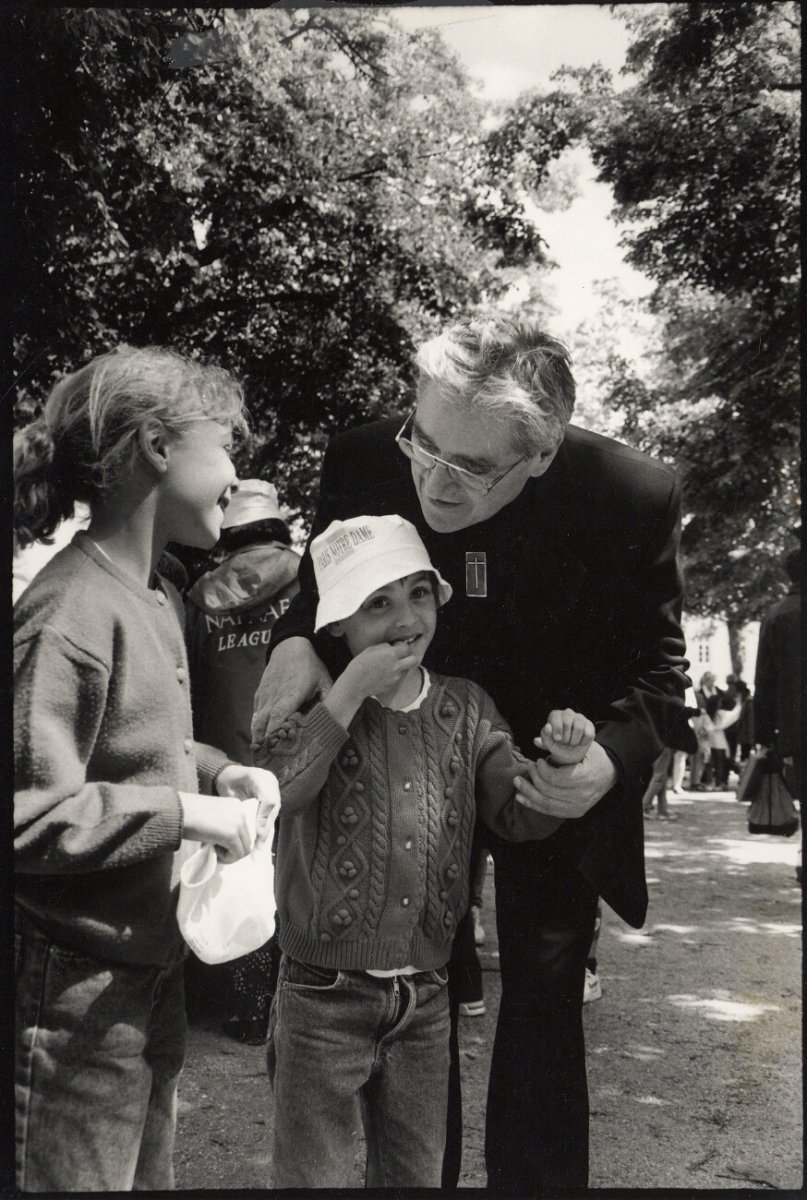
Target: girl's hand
247 783
220 821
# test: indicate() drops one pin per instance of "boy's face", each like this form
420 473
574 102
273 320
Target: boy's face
403 611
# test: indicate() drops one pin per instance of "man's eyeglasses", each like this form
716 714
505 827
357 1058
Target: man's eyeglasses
424 458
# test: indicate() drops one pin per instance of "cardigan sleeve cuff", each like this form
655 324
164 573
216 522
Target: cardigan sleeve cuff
210 762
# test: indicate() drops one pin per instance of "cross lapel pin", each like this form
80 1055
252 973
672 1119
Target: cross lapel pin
476 573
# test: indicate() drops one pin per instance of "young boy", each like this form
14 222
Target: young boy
381 783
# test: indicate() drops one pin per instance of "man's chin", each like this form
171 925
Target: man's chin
446 518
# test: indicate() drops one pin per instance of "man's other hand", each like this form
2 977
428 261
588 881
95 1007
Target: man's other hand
568 791
293 675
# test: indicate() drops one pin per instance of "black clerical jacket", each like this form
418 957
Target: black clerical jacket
582 609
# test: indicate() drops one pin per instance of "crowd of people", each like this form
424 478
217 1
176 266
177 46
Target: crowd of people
477 659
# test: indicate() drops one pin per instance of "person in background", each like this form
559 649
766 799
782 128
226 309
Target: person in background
685 743
108 778
229 613
778 710
736 689
746 737
657 787
723 712
561 546
702 767
592 987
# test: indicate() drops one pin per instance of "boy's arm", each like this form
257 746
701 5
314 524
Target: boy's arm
300 753
499 768
566 736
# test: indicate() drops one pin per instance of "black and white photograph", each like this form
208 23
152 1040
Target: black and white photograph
406 555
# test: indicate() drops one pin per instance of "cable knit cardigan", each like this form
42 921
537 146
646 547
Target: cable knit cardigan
376 823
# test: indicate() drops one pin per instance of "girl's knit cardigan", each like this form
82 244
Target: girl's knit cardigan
376 824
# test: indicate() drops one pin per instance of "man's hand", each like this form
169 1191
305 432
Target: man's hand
247 783
568 791
293 675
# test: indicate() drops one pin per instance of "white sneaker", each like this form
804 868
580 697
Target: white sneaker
592 988
479 931
472 1008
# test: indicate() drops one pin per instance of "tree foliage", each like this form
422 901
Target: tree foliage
297 194
702 153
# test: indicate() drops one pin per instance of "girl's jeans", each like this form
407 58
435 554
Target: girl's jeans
99 1049
343 1039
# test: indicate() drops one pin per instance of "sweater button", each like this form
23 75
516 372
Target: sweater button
187 745
160 598
182 674
408 844
405 902
407 787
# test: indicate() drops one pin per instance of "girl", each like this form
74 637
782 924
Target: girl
107 776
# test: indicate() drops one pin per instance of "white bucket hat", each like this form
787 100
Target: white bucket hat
253 500
354 557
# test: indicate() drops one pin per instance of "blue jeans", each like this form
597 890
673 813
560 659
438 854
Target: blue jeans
99 1050
341 1042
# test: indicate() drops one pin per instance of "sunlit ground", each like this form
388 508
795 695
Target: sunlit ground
666 849
720 1008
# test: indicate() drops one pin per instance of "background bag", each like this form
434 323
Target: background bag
773 810
754 772
228 909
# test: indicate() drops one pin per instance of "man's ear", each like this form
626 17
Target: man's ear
541 462
154 445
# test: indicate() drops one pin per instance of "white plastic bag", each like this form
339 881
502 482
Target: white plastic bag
226 910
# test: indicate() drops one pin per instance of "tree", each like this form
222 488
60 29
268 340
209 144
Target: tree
702 153
300 195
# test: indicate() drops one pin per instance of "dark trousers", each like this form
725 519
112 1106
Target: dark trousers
464 984
720 760
537 1135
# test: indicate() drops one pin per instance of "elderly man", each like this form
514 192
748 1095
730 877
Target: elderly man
561 548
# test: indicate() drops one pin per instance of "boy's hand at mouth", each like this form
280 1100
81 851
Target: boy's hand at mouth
374 671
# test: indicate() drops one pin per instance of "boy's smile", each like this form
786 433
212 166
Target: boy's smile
404 611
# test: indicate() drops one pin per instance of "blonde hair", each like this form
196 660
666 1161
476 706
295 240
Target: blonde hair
85 442
509 368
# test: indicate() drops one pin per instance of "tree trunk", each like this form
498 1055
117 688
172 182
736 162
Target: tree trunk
735 646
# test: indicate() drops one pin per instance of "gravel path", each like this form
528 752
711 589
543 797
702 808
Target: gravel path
694 1051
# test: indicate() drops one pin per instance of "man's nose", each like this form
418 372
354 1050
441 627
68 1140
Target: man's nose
438 482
